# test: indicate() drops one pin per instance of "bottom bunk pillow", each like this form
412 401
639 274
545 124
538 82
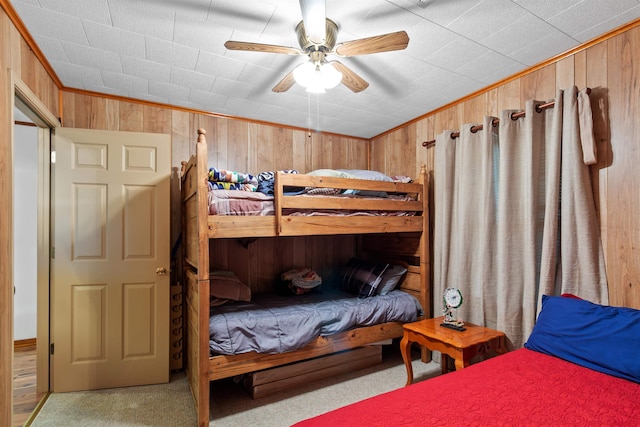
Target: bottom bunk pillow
603 338
361 277
225 286
391 278
521 388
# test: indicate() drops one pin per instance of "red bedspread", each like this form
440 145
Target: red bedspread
521 388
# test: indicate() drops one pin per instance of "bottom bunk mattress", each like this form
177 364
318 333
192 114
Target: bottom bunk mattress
523 387
277 324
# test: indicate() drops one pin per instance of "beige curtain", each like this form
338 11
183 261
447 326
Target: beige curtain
515 216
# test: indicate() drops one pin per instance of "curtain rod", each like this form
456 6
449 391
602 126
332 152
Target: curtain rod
496 122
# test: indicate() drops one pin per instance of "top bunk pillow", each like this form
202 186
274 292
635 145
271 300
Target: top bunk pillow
603 338
331 173
371 176
367 174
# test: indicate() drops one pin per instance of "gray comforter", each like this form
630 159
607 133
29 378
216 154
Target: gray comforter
280 324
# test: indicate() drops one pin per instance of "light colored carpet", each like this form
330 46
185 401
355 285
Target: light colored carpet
231 405
168 405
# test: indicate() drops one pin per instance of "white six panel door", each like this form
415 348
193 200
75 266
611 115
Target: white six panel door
110 278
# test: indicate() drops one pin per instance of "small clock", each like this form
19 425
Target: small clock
451 300
452 297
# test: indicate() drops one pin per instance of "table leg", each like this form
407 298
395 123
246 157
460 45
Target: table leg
405 350
444 363
460 364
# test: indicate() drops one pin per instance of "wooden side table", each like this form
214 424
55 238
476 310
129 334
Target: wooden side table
460 345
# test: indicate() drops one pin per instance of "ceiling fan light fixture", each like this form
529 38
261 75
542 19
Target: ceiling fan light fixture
316 88
329 76
317 77
304 74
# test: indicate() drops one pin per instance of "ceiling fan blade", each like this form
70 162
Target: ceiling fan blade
314 17
285 84
382 43
259 47
349 78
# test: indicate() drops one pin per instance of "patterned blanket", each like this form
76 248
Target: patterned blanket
220 179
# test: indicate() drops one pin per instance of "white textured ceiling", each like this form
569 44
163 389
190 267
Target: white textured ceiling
172 52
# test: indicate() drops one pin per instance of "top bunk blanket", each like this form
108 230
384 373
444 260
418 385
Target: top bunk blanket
280 324
248 203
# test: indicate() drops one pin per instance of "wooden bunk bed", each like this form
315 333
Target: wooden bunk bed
199 227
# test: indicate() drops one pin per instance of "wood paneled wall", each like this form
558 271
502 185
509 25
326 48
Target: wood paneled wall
611 68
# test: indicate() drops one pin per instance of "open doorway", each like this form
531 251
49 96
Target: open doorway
25 277
31 156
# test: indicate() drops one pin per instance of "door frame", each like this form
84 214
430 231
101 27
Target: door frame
23 98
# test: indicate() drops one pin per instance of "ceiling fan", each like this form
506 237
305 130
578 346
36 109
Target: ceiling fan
317 37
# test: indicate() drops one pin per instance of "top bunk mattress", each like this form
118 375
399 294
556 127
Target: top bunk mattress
277 324
253 203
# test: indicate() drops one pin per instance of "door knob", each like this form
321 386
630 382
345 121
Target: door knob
161 271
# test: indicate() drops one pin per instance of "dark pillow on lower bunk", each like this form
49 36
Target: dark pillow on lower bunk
361 278
603 338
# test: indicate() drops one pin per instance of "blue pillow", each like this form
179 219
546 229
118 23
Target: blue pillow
603 338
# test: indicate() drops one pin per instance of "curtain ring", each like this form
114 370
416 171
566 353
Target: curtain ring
513 117
538 109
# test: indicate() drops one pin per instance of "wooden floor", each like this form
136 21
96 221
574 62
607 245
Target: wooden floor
25 398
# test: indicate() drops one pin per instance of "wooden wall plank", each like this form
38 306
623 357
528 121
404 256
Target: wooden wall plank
401 159
475 109
283 150
315 154
69 110
237 145
565 73
492 103
539 85
623 176
262 148
299 150
130 117
509 97
580 68
156 119
216 131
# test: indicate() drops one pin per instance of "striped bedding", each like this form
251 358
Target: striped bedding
252 203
